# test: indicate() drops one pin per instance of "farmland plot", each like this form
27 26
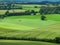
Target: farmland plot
29 28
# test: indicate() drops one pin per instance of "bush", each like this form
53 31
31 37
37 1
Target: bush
7 13
27 12
21 8
35 6
2 16
33 12
57 39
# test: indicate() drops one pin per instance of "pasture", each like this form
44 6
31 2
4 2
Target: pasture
20 42
30 28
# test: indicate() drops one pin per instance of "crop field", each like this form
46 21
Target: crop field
2 12
28 5
29 27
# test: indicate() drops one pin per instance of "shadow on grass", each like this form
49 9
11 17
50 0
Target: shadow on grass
56 40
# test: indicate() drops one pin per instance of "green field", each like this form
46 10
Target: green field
20 42
29 27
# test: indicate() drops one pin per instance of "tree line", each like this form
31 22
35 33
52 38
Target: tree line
50 10
43 11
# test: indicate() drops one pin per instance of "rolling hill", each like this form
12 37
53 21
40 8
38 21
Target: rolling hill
31 0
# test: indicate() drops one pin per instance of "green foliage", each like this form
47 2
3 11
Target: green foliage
50 10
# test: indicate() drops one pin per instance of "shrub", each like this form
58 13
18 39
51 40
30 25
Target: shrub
7 13
35 6
27 12
57 39
2 16
33 12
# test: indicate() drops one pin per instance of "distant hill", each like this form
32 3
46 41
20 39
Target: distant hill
33 1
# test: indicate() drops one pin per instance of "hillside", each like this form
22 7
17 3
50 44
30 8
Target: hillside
30 28
31 0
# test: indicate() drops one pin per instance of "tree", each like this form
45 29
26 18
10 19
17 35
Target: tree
42 10
10 5
2 16
57 39
33 12
35 6
43 17
7 13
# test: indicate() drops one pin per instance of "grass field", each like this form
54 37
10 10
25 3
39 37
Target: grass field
17 42
29 27
2 12
32 22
